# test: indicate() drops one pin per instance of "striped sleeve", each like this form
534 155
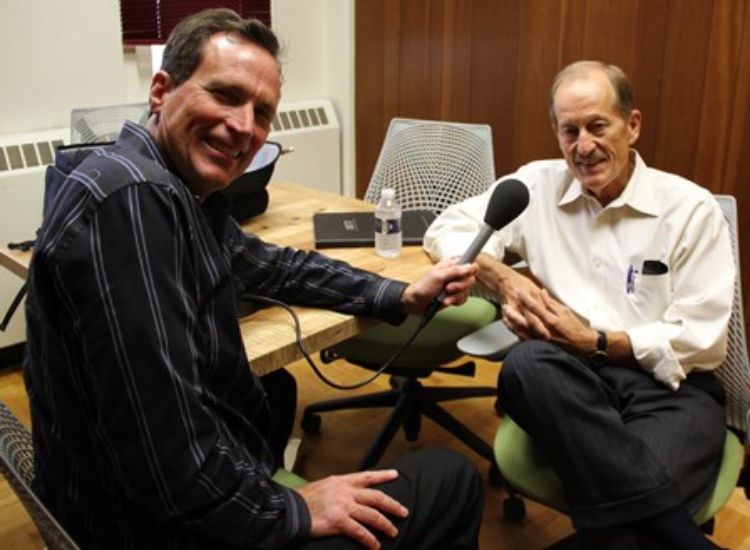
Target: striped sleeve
312 279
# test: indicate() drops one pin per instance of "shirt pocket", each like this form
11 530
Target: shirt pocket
651 296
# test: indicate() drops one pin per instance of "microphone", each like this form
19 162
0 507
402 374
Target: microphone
508 200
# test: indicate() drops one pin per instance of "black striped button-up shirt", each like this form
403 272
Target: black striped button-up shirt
149 427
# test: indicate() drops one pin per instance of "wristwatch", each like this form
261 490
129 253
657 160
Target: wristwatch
599 355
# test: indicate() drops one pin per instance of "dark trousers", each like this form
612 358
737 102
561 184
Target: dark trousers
624 446
281 391
441 489
444 494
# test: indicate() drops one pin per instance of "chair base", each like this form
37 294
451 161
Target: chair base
410 400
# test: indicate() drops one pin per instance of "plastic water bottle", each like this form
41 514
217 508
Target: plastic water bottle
388 234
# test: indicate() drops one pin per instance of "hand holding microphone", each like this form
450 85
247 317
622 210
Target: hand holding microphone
508 200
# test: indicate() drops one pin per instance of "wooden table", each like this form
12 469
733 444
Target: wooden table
268 335
15 261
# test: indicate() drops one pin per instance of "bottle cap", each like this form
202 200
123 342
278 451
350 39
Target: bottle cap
388 193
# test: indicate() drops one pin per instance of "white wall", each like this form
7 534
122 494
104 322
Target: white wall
57 55
69 54
318 39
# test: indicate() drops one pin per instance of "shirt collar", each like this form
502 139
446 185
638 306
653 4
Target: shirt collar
135 137
637 194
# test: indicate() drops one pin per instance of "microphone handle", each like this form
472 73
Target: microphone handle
476 245
468 256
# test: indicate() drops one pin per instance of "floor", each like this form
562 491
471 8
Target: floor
341 441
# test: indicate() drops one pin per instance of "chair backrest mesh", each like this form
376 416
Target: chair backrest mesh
102 124
433 164
17 465
735 372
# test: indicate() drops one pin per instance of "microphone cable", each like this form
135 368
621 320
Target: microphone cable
314 367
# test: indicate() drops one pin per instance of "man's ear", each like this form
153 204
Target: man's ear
161 85
634 126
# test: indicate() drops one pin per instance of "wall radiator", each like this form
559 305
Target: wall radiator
313 130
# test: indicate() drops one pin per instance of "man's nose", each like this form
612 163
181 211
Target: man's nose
242 119
585 144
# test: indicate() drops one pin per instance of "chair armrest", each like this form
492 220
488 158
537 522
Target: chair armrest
489 342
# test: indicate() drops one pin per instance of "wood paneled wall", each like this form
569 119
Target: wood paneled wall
491 61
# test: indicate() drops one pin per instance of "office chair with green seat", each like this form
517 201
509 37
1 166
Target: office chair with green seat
431 165
525 469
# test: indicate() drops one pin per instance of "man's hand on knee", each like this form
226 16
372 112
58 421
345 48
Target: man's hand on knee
347 505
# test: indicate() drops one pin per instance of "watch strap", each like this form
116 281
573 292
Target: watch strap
599 355
601 341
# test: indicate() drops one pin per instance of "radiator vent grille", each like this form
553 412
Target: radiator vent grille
297 119
42 153
28 155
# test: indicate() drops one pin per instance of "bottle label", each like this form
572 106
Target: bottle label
387 227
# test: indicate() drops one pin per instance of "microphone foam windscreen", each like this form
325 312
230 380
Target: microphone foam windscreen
508 200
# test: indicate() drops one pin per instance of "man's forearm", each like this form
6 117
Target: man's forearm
493 273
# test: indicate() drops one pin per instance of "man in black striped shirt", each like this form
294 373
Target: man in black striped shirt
149 428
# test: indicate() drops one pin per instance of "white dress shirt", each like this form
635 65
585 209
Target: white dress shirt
592 259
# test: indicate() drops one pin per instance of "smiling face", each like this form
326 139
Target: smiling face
594 135
212 124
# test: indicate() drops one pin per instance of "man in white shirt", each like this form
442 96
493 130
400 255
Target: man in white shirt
622 323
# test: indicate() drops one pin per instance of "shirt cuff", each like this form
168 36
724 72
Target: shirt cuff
387 303
452 247
654 354
298 522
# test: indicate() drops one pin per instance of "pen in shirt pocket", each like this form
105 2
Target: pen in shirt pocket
630 279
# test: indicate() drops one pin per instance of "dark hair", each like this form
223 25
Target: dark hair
184 50
616 76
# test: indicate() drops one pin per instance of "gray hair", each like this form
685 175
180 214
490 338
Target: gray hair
617 78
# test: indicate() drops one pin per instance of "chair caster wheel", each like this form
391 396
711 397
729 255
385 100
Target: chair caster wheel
514 509
494 477
311 423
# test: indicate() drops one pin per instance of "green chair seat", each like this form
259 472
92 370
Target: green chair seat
434 346
527 470
525 467
288 479
726 482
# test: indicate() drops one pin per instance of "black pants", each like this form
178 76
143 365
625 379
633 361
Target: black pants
281 390
444 494
441 489
624 446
